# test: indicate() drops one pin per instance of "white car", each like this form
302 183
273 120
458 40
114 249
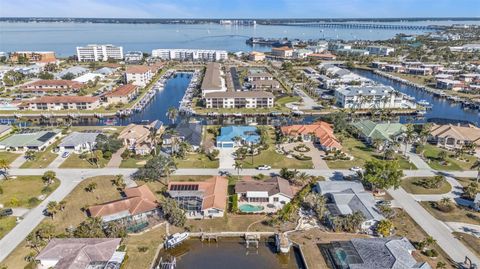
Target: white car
264 167
356 169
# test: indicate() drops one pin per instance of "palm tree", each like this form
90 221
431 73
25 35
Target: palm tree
4 166
172 114
168 169
238 166
445 201
409 135
152 136
91 187
477 166
52 208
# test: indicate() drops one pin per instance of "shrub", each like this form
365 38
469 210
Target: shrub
142 249
47 190
430 253
234 208
107 155
125 154
473 216
302 157
33 201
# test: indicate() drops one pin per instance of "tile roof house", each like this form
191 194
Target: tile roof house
453 136
61 103
137 138
201 199
123 94
370 131
245 134
81 253
347 197
319 132
35 140
271 194
190 132
373 253
138 205
79 142
52 86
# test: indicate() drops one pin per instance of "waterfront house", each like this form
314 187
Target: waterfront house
282 52
454 136
270 195
347 197
123 94
138 138
201 199
370 131
52 87
40 57
372 253
189 132
81 253
256 56
213 80
449 84
232 136
78 142
135 211
95 53
371 97
319 132
30 140
139 75
61 103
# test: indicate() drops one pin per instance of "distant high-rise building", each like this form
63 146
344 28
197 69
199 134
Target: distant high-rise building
190 54
93 53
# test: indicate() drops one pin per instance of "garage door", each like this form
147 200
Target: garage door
227 145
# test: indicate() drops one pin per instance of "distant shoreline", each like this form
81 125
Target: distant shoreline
263 21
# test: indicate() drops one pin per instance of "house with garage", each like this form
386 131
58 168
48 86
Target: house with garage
30 140
139 138
451 136
388 132
233 136
347 197
78 142
201 199
319 132
267 196
189 132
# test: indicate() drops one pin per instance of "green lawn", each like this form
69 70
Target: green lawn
287 99
24 191
196 160
431 153
74 161
458 214
43 159
362 154
465 181
411 185
135 162
8 156
7 224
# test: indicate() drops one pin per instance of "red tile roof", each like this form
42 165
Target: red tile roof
122 90
284 48
63 99
137 69
215 191
322 130
46 83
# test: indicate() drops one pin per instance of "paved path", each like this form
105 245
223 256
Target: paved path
417 160
433 227
226 159
56 162
116 159
18 161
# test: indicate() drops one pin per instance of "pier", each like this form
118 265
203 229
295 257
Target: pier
367 26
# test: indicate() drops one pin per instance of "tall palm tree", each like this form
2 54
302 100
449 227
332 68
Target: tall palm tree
238 166
172 114
152 136
409 135
4 166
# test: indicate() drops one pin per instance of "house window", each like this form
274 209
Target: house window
275 199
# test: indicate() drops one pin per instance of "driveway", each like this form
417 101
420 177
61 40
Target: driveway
116 159
226 159
18 161
57 161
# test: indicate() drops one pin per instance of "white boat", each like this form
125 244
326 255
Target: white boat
283 243
176 239
423 103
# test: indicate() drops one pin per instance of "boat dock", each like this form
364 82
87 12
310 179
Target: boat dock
185 106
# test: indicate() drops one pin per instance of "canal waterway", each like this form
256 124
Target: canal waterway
442 109
231 254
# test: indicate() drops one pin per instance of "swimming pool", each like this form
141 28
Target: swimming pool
248 208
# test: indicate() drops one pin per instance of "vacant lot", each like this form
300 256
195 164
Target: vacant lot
413 185
458 214
6 224
74 161
24 191
8 156
196 160
451 163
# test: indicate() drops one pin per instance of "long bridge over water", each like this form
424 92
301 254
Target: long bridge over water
367 26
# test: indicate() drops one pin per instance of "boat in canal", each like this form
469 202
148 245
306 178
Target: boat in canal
176 239
423 103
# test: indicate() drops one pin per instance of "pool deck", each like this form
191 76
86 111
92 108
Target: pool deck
265 210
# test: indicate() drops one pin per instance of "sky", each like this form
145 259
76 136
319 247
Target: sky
240 8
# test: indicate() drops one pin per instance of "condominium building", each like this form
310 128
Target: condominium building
239 99
133 57
52 86
380 50
139 75
213 80
123 94
94 53
367 97
190 54
61 103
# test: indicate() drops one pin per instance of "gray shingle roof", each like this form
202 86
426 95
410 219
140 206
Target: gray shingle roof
76 138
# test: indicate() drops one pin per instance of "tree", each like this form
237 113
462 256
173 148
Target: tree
108 143
48 177
389 154
441 265
288 174
172 114
155 168
91 187
409 136
173 213
238 166
52 208
115 230
476 165
385 227
68 76
90 228
383 174
443 155
30 155
119 181
45 75
4 166
471 190
317 203
433 182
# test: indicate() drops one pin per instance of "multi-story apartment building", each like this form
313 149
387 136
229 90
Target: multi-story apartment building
52 86
239 99
61 103
133 57
282 52
213 80
94 53
190 54
380 50
367 97
123 94
139 75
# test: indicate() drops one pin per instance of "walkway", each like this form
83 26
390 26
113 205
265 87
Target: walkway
433 227
116 159
18 161
417 160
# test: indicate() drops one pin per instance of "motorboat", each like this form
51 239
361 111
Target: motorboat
176 239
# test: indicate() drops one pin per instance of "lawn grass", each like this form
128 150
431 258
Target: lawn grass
411 185
272 158
9 156
43 158
74 161
231 222
22 191
196 160
151 240
458 214
465 181
135 162
7 224
287 99
431 153
470 241
362 154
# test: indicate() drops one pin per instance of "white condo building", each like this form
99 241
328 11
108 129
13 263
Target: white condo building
190 54
93 53
367 97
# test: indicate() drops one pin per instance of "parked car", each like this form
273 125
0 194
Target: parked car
65 154
356 169
264 167
6 212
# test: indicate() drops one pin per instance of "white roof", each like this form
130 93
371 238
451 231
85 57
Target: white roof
88 76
